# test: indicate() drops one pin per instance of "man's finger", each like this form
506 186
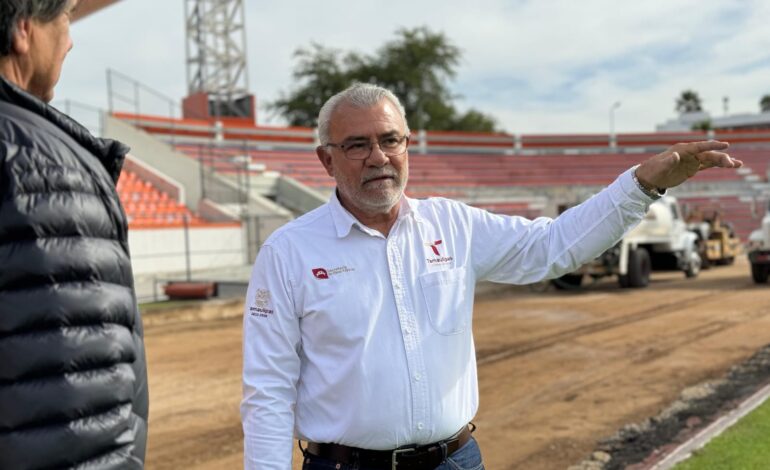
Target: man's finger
712 159
707 145
702 146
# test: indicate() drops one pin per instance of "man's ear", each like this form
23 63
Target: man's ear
325 158
22 36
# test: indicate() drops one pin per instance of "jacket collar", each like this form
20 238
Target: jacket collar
110 153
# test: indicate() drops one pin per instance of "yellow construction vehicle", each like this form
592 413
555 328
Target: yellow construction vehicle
717 242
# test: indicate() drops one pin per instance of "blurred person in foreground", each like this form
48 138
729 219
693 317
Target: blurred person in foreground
73 380
357 325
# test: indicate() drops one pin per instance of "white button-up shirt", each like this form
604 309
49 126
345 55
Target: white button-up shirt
357 339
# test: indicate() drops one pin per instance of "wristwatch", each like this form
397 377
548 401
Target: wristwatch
655 193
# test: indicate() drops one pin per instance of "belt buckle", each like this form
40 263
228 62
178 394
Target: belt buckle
396 452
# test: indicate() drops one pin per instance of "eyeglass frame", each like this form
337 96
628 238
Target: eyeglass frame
343 145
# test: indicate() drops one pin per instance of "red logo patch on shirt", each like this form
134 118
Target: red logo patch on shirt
320 273
439 259
434 246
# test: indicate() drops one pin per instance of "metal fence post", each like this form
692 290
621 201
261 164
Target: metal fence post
187 246
202 171
109 91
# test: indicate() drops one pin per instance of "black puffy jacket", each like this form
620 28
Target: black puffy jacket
73 378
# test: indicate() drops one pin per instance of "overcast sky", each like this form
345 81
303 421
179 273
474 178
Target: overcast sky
537 66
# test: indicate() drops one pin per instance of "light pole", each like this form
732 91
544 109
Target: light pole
613 138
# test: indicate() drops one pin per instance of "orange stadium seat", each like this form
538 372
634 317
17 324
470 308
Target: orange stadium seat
148 207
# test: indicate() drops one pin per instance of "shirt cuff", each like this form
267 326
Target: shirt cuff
630 190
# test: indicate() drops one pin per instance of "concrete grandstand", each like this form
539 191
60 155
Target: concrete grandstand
512 174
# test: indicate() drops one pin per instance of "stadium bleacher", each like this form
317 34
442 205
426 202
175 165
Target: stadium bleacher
458 164
148 207
434 170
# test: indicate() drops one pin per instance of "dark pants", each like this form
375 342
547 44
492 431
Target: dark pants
467 457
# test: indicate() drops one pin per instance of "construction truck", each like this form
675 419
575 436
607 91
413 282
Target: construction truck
759 250
661 241
717 242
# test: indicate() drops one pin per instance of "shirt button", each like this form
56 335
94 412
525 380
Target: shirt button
417 376
420 426
407 331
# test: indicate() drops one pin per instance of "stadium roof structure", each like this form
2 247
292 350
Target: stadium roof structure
86 7
686 121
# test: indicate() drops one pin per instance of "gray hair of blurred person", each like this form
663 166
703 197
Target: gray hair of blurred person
358 95
12 11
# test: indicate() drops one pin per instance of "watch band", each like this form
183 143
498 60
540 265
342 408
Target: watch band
654 194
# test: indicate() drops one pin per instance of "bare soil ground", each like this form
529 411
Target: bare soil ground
558 371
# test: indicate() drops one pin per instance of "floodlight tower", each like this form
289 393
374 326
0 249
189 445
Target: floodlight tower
217 76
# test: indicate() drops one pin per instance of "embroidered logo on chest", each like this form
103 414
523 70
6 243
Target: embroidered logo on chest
323 273
438 253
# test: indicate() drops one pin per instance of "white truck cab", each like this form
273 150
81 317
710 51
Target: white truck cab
661 241
759 250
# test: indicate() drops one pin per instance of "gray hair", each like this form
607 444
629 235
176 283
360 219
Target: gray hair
13 11
358 95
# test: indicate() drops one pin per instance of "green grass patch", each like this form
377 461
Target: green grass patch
744 446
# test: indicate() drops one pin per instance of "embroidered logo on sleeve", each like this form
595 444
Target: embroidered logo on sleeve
438 259
261 307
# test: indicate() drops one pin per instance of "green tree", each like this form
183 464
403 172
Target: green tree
704 125
688 102
473 120
417 66
764 104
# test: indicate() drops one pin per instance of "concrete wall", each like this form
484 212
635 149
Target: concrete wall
162 250
154 177
158 155
296 196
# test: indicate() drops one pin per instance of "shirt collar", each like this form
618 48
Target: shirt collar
344 220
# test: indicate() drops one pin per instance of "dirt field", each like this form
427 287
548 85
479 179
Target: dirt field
557 370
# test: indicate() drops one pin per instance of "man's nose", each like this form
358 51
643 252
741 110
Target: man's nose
377 157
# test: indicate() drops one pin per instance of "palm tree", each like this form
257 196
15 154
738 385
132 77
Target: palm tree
764 104
688 102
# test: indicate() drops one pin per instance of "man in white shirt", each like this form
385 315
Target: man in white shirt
357 325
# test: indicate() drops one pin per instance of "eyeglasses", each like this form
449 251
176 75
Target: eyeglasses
360 149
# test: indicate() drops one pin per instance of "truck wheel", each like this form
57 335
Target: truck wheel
568 282
705 262
693 266
759 272
639 266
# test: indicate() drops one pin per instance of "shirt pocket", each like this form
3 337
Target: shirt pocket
448 298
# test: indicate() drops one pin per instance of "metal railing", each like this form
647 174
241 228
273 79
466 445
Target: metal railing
146 107
123 90
424 142
88 116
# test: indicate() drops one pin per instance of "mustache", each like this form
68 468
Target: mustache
374 174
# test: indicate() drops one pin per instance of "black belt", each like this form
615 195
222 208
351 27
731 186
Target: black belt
412 457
